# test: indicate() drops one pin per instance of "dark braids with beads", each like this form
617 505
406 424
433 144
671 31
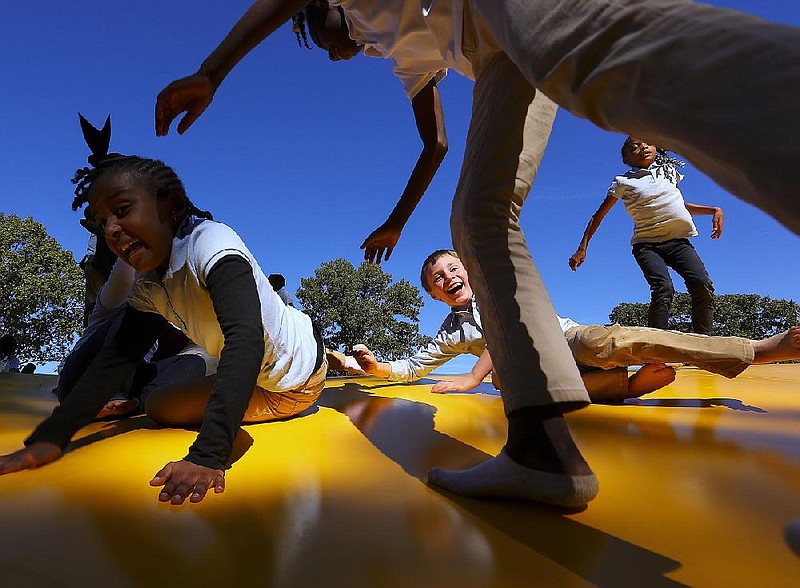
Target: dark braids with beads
314 9
159 174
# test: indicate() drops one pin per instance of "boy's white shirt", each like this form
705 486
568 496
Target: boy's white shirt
655 204
460 333
182 297
422 41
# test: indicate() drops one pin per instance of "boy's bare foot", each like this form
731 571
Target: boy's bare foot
540 462
781 347
649 378
116 408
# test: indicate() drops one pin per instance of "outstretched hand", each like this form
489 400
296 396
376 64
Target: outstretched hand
576 259
380 243
191 95
182 479
33 456
365 358
460 384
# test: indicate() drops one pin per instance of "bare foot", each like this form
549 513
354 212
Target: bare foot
649 378
115 408
781 347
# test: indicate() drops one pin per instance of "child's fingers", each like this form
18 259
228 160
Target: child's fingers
162 475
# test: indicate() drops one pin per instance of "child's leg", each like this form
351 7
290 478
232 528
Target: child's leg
655 271
179 395
620 346
507 136
714 85
681 256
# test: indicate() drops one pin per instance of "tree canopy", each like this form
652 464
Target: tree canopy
361 305
742 315
41 290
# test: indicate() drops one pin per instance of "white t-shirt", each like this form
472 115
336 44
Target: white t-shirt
182 297
655 203
421 39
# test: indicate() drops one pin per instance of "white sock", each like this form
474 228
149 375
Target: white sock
502 477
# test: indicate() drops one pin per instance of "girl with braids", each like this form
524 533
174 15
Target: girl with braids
671 71
197 274
662 225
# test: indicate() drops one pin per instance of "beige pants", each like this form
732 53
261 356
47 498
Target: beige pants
618 346
267 405
716 86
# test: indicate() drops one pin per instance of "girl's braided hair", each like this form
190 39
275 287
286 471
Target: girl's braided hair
314 9
162 176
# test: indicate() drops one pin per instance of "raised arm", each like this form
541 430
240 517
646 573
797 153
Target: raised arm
716 222
429 118
577 258
192 94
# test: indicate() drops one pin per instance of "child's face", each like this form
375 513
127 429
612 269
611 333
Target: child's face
449 282
637 153
331 34
139 226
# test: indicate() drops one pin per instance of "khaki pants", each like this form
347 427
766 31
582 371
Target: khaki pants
267 405
618 346
716 86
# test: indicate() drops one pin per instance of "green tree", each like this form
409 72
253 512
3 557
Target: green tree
361 305
41 290
740 315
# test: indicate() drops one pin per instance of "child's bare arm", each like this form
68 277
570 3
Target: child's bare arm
194 93
472 380
369 363
717 221
429 118
33 456
577 258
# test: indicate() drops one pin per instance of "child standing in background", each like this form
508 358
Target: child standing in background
662 226
197 274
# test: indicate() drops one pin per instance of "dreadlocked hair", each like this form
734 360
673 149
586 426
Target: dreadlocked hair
158 173
314 9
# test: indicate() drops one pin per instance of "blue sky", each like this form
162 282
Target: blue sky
304 157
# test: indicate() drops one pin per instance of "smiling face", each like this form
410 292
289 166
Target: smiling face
328 29
637 153
448 281
139 225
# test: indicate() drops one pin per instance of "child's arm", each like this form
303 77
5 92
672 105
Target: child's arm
194 93
716 222
106 374
472 380
234 295
577 258
429 117
369 363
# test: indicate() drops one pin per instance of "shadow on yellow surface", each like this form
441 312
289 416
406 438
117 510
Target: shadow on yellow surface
698 483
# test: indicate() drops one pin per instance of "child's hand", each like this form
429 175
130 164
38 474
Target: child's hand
191 94
460 384
365 358
33 456
381 240
183 478
576 259
716 223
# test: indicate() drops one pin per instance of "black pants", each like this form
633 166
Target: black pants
654 259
